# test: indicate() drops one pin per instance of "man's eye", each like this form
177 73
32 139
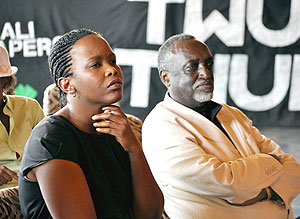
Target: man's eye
188 68
209 64
191 67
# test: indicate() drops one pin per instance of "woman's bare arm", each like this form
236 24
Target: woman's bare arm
64 189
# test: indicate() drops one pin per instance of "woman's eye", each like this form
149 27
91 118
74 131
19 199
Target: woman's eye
114 62
95 65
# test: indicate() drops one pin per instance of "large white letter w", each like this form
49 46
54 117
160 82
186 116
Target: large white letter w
230 32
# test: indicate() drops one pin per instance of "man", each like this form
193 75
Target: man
18 116
208 159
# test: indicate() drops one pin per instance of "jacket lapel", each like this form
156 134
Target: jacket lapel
205 127
234 130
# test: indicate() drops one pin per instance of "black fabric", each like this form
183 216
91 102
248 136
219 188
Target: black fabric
210 110
103 160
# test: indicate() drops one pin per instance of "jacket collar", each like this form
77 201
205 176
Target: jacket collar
188 114
207 128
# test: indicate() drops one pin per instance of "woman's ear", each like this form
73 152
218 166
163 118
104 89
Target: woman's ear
65 85
164 77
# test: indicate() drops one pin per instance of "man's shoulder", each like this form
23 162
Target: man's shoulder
158 113
27 107
16 98
20 101
231 109
234 113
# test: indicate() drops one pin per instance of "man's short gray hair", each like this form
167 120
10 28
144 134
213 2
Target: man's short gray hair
165 51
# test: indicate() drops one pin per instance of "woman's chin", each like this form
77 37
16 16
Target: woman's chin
116 99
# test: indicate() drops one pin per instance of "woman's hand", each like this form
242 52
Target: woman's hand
114 122
7 175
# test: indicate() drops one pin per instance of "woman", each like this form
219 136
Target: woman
84 161
51 105
18 116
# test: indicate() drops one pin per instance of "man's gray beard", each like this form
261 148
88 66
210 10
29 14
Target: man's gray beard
203 96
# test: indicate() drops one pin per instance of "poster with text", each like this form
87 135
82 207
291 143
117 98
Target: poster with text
255 43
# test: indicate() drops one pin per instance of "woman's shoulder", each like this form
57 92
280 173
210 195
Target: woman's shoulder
52 135
52 138
55 126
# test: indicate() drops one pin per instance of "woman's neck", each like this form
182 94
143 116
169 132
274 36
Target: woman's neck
81 117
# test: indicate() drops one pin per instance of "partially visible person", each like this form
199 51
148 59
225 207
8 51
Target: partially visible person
51 105
136 125
51 100
208 158
84 161
18 115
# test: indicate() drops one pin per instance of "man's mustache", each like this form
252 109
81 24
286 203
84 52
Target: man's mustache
201 82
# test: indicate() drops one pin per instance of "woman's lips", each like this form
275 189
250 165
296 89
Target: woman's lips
115 84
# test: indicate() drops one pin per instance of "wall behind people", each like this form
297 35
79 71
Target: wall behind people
255 43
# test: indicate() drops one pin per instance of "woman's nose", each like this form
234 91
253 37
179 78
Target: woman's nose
110 71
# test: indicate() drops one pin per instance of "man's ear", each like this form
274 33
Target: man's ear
164 77
65 85
5 81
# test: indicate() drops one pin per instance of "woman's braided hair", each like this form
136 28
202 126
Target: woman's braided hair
60 59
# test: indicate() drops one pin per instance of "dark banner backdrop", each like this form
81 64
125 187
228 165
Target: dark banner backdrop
256 45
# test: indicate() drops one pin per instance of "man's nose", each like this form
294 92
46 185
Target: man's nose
205 73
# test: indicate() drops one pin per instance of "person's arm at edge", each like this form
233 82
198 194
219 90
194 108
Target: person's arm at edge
287 186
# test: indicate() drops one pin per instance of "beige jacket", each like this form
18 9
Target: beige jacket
201 172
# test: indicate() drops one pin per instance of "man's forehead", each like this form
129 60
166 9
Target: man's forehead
190 47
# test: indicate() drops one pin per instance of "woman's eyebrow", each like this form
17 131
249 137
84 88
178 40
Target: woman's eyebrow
111 55
95 57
